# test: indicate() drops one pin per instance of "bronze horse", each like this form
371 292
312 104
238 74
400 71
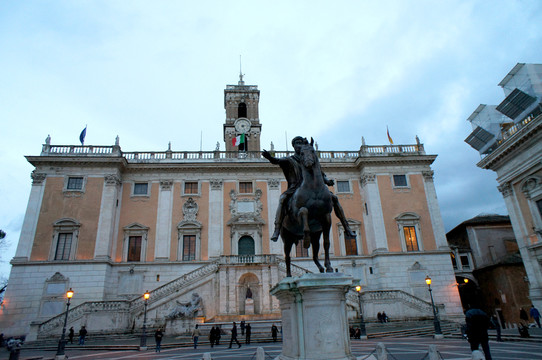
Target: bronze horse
308 212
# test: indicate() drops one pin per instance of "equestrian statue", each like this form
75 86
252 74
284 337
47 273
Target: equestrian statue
304 210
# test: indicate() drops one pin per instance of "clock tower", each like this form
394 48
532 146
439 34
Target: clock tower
242 117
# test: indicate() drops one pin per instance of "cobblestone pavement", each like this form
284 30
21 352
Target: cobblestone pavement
413 348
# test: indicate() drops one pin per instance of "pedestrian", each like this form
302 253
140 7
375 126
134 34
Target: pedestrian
352 331
158 335
234 336
477 325
523 315
242 326
274 332
384 317
82 334
379 317
218 334
212 336
71 334
195 335
248 330
357 333
497 327
535 314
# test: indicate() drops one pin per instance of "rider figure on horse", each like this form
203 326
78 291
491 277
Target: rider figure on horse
291 167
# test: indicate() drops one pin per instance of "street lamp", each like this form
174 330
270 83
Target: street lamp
143 344
438 332
362 330
62 342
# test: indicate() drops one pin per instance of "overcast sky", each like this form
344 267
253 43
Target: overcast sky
153 72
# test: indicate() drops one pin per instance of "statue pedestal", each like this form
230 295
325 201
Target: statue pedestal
314 321
249 307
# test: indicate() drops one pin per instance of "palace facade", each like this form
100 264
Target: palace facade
111 225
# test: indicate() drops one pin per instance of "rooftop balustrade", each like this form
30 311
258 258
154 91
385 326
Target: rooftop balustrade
218 156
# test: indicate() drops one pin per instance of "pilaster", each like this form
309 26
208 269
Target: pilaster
375 229
434 211
163 221
30 222
106 221
216 218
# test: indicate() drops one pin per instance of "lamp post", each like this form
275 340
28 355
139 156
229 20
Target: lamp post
362 330
62 342
436 322
143 344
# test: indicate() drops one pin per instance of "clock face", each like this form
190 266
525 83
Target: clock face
242 125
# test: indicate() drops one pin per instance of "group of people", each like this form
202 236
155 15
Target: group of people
215 335
82 335
382 317
478 322
355 333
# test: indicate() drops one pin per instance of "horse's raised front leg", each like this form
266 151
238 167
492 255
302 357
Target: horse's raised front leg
287 250
315 241
303 215
326 226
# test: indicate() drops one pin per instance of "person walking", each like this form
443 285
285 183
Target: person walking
212 336
535 314
523 315
477 325
82 334
274 332
384 317
248 331
379 317
195 335
242 326
234 336
218 334
158 335
71 335
495 322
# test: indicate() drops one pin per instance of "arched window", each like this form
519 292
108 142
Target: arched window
409 231
242 110
246 246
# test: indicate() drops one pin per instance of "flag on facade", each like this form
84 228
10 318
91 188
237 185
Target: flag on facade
389 137
82 136
238 140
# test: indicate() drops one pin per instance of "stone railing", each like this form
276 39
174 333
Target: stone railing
78 311
188 156
248 259
394 295
295 269
174 285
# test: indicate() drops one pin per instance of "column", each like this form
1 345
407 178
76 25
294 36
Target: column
162 241
375 229
28 231
434 211
106 222
216 218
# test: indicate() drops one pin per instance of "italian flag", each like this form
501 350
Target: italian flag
238 140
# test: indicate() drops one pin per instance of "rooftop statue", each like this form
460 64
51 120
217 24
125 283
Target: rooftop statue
304 210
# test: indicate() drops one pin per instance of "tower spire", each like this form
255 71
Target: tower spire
241 82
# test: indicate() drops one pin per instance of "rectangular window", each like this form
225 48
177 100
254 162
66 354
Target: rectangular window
539 206
63 246
191 187
465 263
351 246
189 247
399 181
343 186
75 183
141 188
410 238
245 187
454 262
134 248
300 251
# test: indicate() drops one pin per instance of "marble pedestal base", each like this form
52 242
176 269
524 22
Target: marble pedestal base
314 322
249 307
